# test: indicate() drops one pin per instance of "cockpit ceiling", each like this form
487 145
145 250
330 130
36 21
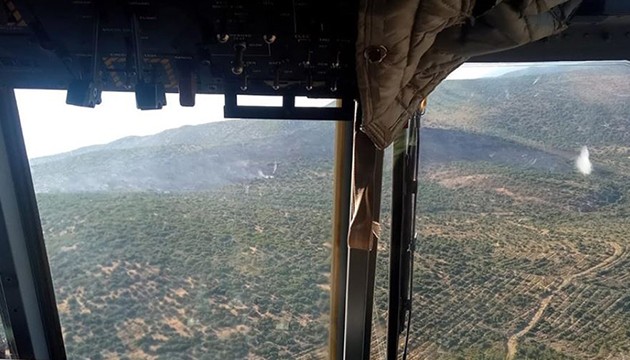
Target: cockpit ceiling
271 47
265 47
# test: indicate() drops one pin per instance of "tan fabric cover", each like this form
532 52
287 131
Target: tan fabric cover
367 176
425 40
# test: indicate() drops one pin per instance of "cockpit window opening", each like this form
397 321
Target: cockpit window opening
521 214
186 235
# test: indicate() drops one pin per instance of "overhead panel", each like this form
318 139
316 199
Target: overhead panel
266 47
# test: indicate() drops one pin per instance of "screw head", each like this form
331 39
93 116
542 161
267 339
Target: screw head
237 70
269 39
375 54
223 38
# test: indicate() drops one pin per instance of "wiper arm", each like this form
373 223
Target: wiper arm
404 194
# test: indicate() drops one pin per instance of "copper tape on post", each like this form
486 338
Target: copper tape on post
367 170
423 106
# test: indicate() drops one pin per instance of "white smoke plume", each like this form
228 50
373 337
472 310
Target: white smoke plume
262 175
583 163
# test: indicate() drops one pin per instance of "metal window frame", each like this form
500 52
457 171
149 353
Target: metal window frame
288 110
341 219
33 326
396 249
353 270
31 318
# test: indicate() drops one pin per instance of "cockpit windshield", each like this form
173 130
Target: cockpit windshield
188 235
522 216
207 241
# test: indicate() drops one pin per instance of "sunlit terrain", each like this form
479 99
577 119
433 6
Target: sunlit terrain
524 250
212 241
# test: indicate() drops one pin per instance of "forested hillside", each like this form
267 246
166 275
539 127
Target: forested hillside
213 241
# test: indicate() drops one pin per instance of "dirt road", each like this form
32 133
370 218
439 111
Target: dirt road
512 343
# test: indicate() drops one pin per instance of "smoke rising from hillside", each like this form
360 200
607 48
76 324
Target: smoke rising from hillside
583 163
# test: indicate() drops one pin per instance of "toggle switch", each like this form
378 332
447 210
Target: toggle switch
238 66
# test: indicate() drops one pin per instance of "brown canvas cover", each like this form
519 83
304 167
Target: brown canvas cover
405 48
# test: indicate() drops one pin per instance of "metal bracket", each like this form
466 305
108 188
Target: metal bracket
288 111
34 325
361 265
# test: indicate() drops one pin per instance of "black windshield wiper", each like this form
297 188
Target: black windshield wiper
404 194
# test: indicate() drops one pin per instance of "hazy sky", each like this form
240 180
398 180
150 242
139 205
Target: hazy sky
50 126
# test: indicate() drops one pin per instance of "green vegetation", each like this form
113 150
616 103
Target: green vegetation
232 273
494 247
193 245
510 231
559 109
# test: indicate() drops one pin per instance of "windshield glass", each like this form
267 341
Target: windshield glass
204 241
523 215
4 345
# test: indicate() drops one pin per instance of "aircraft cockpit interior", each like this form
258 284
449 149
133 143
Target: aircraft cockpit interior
300 179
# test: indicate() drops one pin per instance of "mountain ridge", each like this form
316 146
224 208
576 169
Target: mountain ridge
188 164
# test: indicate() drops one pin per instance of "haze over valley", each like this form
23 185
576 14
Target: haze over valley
213 241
